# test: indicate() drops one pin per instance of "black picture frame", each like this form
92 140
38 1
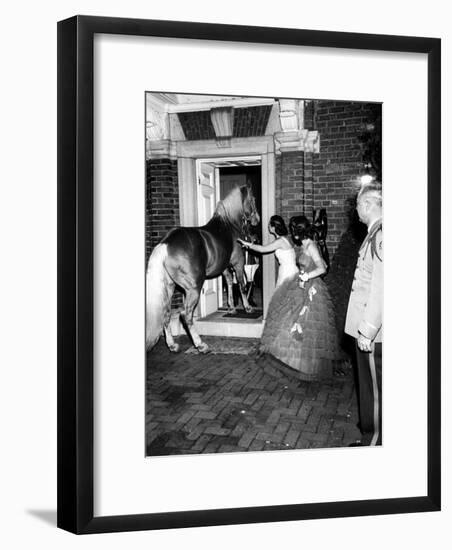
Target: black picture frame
75 273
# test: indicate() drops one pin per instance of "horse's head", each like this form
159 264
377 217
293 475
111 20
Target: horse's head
250 213
239 208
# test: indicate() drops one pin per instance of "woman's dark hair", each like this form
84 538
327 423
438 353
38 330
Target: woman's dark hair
301 228
279 226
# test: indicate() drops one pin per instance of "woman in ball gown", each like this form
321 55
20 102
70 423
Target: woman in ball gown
281 246
300 329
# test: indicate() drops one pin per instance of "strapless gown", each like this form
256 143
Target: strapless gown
300 328
287 264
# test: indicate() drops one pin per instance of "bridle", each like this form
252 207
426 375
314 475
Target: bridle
250 215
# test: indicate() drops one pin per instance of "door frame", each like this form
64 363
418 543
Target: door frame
210 292
215 161
263 146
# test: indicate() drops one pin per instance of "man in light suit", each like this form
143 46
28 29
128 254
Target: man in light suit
364 314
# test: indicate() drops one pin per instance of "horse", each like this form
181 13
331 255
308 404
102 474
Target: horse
187 256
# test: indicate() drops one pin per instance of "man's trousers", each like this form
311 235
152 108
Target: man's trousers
369 394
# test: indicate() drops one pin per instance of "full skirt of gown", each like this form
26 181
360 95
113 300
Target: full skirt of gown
300 329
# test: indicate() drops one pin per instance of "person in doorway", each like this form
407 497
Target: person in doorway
364 315
281 246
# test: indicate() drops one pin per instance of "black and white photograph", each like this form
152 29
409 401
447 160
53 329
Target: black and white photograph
264 273
194 197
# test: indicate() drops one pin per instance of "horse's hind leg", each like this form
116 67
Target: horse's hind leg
172 345
191 299
184 274
168 290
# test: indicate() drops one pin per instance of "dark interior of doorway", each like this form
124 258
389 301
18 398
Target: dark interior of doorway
229 178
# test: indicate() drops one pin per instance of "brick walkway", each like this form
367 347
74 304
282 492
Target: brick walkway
229 401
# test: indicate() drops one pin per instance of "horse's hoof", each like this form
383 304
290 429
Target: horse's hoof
174 348
249 309
232 311
203 348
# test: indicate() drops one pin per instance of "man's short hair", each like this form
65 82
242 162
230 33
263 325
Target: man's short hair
372 191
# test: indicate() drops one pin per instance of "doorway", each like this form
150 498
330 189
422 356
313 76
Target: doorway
216 178
199 168
231 176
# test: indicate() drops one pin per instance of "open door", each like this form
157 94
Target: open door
207 177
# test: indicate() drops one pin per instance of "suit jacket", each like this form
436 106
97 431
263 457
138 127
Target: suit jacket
365 307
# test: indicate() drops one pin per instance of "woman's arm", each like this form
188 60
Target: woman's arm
262 249
320 268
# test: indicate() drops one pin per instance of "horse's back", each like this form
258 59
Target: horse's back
206 252
184 240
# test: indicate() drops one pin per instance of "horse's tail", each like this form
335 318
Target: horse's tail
159 290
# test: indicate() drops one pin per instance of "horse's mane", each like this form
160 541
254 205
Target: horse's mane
230 209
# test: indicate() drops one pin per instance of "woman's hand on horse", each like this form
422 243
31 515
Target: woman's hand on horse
244 243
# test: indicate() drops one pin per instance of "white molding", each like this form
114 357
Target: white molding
226 102
297 140
207 148
231 328
165 98
274 123
236 328
158 149
289 114
222 121
292 135
175 128
311 140
223 124
188 204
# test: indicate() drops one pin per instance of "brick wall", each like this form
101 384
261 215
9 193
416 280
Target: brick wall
278 166
197 125
308 176
330 179
290 184
294 192
309 114
162 205
251 121
337 168
162 200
